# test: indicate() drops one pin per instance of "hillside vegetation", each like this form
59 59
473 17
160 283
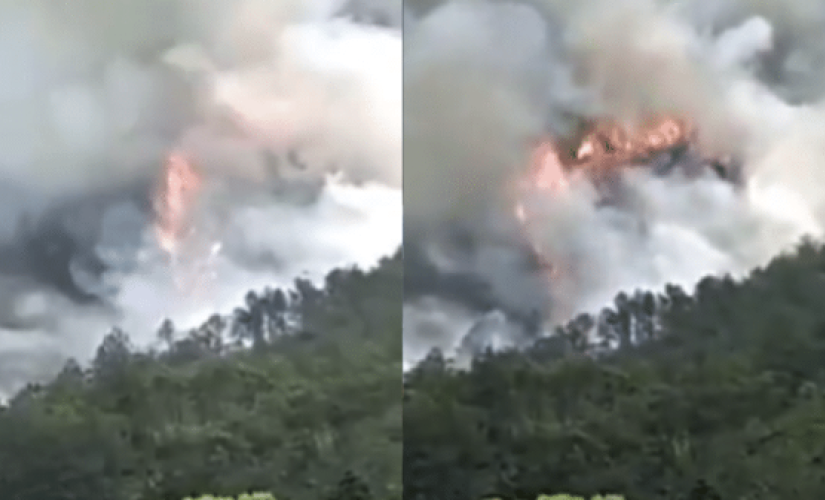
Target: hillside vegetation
298 394
715 395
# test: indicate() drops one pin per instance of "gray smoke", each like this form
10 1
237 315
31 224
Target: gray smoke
291 110
483 78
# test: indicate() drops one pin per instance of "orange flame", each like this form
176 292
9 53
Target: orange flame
547 169
599 149
603 146
609 145
180 186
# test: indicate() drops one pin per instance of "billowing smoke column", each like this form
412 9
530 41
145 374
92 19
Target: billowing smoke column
497 93
161 158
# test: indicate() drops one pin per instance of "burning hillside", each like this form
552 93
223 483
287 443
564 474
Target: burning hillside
665 154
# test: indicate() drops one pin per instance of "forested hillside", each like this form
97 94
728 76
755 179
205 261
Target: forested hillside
297 394
715 395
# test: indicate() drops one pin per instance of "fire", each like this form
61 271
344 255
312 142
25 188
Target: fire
547 169
602 147
608 144
180 186
597 152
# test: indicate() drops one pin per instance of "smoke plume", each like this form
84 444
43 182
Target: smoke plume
289 111
483 79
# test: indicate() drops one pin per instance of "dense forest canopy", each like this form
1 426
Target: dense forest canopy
297 394
715 395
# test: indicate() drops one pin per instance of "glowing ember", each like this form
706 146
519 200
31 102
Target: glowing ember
181 185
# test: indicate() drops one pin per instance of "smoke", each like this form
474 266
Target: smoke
290 110
483 79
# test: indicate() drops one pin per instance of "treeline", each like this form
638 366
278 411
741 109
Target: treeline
297 394
719 394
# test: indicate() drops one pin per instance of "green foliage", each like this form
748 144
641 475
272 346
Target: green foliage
671 396
565 496
297 394
267 496
244 496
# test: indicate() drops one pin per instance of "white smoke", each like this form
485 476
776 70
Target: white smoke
744 71
95 94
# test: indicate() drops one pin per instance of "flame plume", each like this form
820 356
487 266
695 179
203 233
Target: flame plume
179 188
598 152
